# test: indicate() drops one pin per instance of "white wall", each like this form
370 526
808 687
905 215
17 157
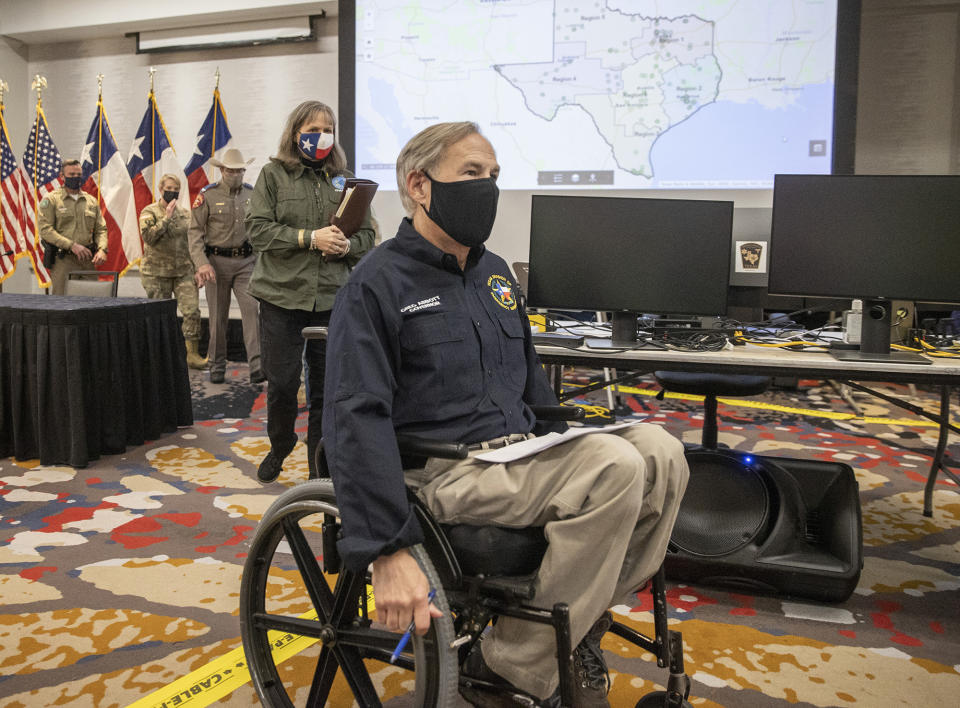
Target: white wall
13 70
258 86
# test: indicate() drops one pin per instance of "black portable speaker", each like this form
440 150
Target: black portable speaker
768 525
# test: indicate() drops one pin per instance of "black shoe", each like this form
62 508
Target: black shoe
591 680
257 376
270 468
485 689
216 377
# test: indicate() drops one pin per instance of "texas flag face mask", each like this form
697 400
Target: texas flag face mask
315 146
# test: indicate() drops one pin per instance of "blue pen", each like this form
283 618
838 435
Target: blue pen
406 635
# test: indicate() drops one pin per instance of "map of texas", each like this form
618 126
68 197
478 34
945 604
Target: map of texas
635 76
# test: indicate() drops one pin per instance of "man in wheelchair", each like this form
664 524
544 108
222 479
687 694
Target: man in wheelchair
429 339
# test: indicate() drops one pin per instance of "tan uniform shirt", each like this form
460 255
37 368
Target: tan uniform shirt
217 220
64 221
165 251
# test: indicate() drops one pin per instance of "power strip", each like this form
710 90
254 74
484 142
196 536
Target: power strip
659 332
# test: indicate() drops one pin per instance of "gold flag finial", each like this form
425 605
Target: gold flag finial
216 74
4 87
38 84
99 85
153 70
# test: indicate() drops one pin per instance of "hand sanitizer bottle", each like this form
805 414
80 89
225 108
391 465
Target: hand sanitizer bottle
852 320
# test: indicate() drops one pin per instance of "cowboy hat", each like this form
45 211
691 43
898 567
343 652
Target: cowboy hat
232 160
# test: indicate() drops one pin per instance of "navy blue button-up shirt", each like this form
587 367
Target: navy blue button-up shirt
418 346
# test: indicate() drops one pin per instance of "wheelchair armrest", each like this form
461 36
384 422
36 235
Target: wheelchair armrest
314 333
558 412
421 447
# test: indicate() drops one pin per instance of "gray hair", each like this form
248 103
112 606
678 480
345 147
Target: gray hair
425 150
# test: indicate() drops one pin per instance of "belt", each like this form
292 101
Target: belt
497 443
239 252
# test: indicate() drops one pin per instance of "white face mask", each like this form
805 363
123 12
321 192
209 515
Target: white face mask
326 140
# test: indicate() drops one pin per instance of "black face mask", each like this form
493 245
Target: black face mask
72 182
170 196
465 210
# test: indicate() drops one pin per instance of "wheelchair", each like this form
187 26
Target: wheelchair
479 573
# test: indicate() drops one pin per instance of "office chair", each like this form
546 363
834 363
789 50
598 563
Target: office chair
710 386
92 283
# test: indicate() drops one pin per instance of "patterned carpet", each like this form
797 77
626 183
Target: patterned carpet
117 579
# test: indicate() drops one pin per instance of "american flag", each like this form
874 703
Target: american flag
41 167
213 139
12 243
19 232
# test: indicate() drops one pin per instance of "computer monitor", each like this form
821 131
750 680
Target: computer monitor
876 238
629 256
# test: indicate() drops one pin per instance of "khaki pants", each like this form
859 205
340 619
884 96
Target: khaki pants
232 274
607 503
62 268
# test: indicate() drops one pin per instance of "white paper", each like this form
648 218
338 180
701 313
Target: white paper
517 451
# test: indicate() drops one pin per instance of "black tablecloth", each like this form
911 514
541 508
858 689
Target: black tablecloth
82 377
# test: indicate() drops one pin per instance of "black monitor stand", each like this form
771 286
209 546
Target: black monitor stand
875 338
624 334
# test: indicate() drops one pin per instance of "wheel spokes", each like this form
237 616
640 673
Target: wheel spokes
313 577
357 676
322 679
294 625
346 598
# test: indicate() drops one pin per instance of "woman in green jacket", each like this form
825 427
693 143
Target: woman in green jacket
302 262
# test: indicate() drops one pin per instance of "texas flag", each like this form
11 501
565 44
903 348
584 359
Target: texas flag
212 139
105 177
151 156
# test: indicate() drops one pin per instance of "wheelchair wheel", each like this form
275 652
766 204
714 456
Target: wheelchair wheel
286 594
660 699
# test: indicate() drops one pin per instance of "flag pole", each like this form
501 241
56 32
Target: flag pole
3 126
153 139
100 137
216 112
38 85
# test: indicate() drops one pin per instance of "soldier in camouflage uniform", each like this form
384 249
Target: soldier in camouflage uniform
166 269
71 220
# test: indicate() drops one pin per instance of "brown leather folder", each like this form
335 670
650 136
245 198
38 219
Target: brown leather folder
354 204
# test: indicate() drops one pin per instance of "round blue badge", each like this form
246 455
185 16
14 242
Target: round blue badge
338 182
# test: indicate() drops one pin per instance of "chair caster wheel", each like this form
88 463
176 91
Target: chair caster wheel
659 699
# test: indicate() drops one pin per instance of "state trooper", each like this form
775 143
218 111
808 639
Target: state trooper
166 269
70 220
224 260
